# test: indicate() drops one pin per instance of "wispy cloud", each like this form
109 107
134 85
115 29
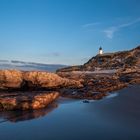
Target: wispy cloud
113 29
90 24
110 32
55 54
51 54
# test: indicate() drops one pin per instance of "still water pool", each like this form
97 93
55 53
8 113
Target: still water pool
115 117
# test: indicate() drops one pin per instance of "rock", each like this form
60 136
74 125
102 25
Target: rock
85 101
26 101
48 80
126 67
109 61
96 86
10 79
88 81
32 80
83 93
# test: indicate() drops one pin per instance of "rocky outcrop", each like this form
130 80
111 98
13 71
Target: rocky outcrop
129 75
26 101
93 80
49 80
14 80
115 60
33 80
10 79
96 86
123 69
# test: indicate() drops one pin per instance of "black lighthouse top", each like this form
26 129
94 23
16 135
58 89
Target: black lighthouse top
100 48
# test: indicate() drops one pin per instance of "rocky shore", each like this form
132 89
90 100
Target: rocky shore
97 85
21 90
103 73
25 90
109 61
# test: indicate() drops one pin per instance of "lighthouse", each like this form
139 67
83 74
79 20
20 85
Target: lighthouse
100 50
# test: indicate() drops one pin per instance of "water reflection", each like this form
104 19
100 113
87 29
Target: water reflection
116 118
17 116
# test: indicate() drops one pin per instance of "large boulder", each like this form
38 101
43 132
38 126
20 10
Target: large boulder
14 79
10 79
48 80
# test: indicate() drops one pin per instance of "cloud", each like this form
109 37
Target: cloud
90 24
55 54
110 32
51 54
113 29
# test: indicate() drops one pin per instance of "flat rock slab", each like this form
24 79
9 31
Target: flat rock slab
26 101
31 80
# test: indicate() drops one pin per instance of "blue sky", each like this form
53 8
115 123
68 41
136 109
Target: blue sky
66 31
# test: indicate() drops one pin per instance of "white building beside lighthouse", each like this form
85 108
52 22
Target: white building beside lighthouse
100 50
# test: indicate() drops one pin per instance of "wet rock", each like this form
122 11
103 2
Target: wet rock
26 101
85 101
82 93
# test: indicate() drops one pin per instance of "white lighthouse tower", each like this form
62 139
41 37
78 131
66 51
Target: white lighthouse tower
100 50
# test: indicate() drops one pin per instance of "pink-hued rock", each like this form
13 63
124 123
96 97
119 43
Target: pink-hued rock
14 79
49 80
10 79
